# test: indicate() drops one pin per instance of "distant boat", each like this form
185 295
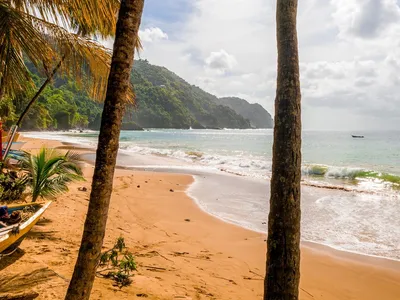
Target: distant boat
358 136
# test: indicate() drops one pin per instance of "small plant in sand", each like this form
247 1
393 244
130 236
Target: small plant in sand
117 264
49 172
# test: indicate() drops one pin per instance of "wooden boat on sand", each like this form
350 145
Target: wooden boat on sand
11 236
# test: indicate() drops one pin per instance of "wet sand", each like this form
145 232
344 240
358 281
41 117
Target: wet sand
182 252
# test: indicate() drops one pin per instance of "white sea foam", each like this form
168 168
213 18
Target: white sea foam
242 165
365 222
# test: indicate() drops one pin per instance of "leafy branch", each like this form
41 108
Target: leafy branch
117 264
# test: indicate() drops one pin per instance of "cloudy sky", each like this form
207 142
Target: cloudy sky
349 54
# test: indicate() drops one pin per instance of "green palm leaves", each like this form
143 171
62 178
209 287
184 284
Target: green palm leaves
37 30
49 172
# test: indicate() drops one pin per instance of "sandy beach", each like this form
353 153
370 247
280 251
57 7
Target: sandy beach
182 252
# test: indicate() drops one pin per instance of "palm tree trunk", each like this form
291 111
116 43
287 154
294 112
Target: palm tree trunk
36 96
283 253
33 100
118 84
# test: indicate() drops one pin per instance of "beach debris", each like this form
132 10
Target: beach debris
142 295
138 186
307 292
175 253
264 223
82 189
23 295
145 181
256 274
203 292
171 190
152 254
156 269
251 278
227 279
187 220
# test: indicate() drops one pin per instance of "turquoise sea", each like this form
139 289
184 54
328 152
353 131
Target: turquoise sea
351 187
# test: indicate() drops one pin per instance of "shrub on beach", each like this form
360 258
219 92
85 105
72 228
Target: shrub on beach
117 264
12 186
48 172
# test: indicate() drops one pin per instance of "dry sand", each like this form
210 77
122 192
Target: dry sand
182 252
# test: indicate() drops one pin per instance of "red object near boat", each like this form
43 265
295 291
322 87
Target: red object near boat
1 141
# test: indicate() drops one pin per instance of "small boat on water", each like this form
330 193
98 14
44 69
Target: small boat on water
357 136
12 235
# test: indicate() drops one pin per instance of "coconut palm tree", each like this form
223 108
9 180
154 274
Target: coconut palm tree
126 39
36 30
48 172
283 245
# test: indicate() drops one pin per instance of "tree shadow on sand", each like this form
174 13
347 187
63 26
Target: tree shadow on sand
9 260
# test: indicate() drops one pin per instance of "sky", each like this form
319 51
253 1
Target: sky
349 55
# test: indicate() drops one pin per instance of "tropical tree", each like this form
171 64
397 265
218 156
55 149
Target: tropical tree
36 30
126 39
48 172
283 253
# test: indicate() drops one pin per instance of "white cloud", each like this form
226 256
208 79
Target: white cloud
365 18
152 34
349 54
221 61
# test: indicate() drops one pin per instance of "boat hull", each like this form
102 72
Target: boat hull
7 238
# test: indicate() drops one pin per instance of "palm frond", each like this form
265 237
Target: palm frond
32 28
49 172
19 37
90 16
85 60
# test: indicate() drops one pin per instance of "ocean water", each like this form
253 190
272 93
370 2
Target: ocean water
350 193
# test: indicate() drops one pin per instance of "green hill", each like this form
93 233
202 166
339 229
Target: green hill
167 101
258 116
164 100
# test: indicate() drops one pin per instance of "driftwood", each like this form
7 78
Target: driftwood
19 296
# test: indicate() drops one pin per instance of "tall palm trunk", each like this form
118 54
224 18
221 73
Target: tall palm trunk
39 92
283 253
114 106
33 100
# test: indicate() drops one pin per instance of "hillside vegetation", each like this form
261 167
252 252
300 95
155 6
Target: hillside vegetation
164 100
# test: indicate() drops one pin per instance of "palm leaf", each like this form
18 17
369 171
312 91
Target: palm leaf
22 32
90 16
49 172
17 38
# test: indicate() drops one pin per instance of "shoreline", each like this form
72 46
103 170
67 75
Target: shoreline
203 258
326 248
